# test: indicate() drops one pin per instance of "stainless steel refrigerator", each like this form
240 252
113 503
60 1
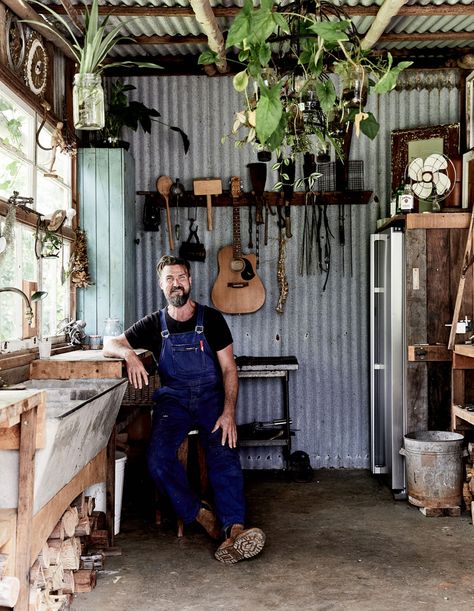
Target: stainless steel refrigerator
388 357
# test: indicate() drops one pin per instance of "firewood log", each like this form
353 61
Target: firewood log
99 538
3 564
85 580
70 553
54 553
100 519
38 576
83 528
92 561
55 576
43 556
69 520
58 531
68 586
81 505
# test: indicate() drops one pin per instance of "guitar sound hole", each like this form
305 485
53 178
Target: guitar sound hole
237 265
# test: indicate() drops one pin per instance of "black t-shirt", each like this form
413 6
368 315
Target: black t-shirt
146 332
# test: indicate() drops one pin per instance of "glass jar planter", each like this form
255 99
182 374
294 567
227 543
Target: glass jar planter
88 102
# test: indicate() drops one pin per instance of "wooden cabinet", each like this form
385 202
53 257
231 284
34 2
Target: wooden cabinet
434 250
106 191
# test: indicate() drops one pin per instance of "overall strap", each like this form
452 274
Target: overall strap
164 327
200 318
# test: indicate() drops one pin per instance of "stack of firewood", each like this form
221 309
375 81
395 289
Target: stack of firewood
468 486
70 558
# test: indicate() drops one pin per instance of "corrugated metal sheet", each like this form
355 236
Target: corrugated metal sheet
179 25
327 331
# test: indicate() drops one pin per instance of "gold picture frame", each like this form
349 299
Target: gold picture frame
421 141
470 111
468 179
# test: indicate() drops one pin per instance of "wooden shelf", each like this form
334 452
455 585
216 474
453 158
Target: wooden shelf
428 352
332 198
429 220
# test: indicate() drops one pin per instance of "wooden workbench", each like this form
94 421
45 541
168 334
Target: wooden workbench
19 410
462 392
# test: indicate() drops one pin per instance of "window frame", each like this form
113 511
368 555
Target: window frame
28 217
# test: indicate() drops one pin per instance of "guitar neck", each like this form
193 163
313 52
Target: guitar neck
236 242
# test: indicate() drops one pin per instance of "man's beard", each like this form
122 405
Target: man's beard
178 299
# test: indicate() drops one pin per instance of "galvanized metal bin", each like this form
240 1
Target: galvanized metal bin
433 461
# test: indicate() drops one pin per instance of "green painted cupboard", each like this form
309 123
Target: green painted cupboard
106 192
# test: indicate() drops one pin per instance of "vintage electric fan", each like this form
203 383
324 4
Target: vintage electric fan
432 179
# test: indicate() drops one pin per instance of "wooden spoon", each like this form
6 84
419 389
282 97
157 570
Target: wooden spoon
163 186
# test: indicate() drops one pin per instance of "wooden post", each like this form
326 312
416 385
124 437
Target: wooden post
26 480
110 487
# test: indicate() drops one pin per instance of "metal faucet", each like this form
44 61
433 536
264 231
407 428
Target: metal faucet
36 296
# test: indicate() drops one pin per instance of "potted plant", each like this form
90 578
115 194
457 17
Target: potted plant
90 52
121 112
287 58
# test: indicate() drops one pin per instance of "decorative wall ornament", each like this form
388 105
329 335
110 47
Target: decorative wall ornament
79 263
36 65
15 42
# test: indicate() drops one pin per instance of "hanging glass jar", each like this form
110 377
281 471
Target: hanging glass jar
88 102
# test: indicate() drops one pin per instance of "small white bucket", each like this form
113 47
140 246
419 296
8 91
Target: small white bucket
97 491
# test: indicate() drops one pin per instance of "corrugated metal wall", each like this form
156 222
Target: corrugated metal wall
327 331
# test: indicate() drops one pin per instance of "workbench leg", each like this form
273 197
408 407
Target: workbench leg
26 482
110 487
286 408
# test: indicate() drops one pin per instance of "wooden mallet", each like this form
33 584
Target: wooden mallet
208 187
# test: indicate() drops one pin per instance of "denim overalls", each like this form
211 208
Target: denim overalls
192 397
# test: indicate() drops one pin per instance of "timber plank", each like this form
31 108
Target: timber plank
438 263
49 515
415 249
26 478
438 220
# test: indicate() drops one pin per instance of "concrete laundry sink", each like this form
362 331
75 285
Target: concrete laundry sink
80 415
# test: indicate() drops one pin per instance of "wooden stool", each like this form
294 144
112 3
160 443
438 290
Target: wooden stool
195 469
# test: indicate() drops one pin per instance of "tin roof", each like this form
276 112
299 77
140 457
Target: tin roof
167 30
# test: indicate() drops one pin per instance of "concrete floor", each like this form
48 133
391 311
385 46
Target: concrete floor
339 542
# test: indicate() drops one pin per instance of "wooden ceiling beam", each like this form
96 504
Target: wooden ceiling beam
207 20
389 37
388 10
426 36
232 11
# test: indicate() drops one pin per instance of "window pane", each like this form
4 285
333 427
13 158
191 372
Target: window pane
56 162
16 125
17 263
51 195
15 175
55 307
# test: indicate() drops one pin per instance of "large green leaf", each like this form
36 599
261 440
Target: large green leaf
208 57
241 26
268 112
326 94
262 25
370 126
389 79
331 31
240 81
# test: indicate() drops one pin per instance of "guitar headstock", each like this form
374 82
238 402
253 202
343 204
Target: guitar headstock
235 186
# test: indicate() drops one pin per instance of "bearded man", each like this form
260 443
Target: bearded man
192 346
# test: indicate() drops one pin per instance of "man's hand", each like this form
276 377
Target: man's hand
137 374
119 347
226 422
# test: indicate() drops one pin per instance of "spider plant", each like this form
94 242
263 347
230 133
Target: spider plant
91 49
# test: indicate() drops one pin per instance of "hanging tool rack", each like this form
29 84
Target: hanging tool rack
333 198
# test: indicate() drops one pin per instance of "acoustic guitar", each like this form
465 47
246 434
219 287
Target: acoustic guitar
237 289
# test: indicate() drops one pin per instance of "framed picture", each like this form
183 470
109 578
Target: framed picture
468 179
407 144
470 111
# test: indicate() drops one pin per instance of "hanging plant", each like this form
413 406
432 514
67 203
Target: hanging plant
291 59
